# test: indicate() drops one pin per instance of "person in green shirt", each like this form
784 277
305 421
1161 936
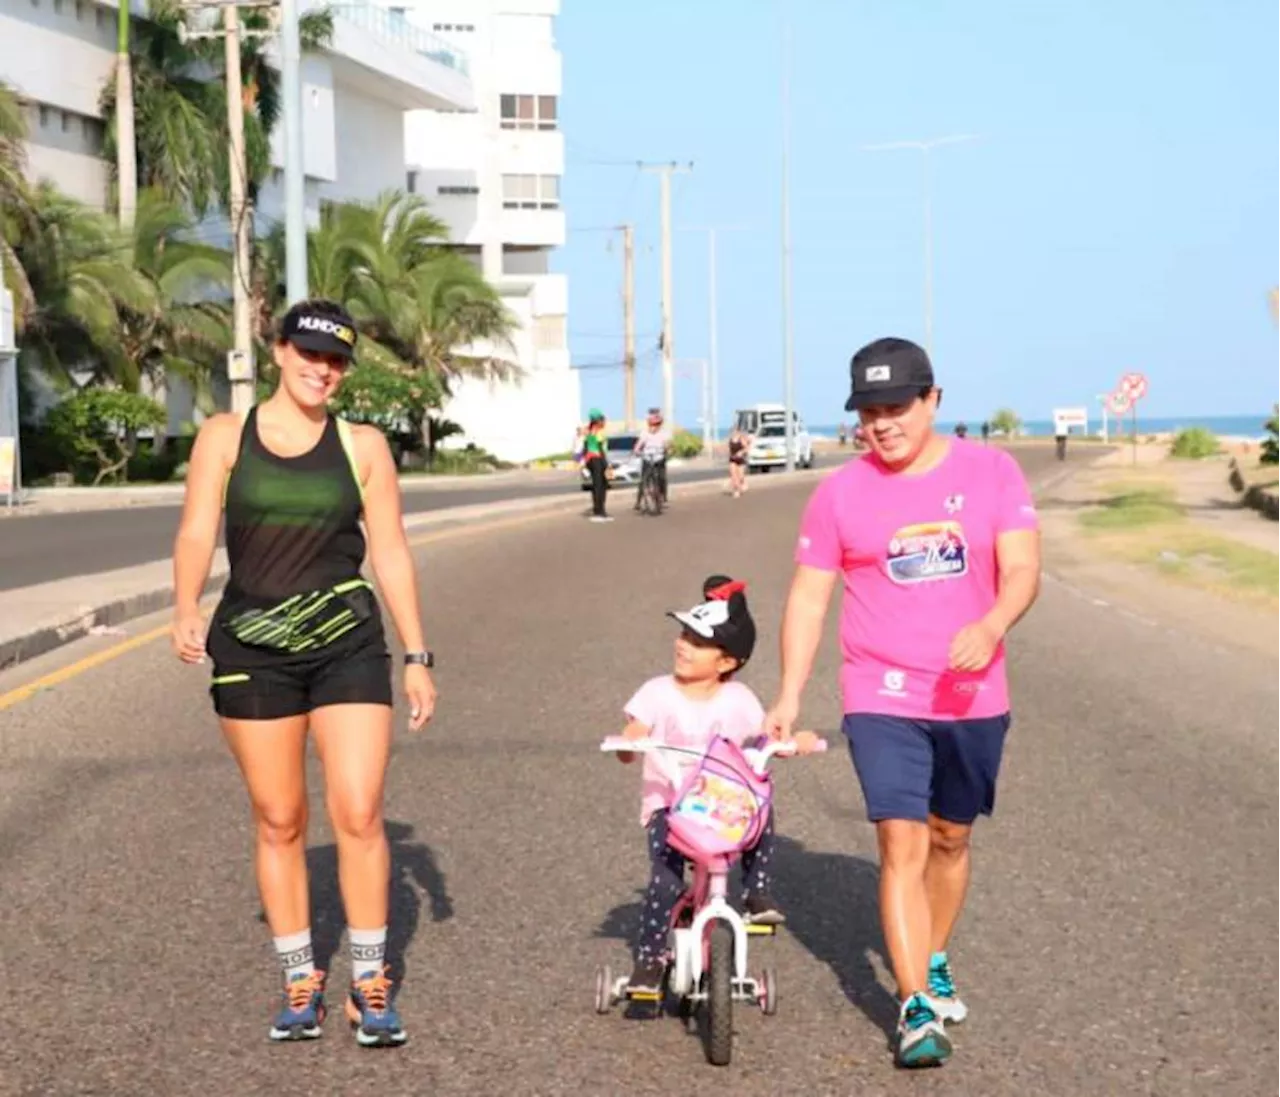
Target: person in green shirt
595 453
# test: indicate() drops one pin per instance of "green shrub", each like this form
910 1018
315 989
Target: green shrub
1271 445
1194 443
686 444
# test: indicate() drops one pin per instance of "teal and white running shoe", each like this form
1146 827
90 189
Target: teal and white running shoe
942 991
922 1039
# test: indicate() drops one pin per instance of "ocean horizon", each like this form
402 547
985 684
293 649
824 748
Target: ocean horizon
1229 426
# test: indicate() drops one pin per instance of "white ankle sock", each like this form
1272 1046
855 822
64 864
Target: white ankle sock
368 951
295 954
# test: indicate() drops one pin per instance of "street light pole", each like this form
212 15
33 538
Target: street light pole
713 318
924 148
788 365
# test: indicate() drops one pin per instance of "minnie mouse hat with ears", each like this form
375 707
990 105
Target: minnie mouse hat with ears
723 618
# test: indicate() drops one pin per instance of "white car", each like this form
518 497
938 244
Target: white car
623 460
769 448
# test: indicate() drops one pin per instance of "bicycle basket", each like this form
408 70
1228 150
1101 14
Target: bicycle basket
723 805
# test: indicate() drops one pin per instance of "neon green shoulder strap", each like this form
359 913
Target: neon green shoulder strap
226 481
349 448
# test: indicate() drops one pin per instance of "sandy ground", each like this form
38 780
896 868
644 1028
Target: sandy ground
1102 568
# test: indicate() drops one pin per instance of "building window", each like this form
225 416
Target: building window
457 191
528 112
44 116
457 28
549 332
411 182
531 192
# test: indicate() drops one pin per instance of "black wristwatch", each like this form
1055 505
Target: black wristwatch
420 659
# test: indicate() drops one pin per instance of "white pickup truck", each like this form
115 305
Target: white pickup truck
767 425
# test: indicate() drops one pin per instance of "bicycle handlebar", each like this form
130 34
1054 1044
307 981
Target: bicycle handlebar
758 757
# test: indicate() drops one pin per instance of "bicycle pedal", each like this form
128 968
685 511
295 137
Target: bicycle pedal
759 929
644 996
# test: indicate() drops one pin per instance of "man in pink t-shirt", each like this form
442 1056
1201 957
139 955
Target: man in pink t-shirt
937 541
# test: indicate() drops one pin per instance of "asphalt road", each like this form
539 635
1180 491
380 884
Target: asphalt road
1120 937
45 547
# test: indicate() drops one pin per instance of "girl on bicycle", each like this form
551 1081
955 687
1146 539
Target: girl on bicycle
297 644
689 707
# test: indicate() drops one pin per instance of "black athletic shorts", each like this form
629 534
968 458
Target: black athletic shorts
250 684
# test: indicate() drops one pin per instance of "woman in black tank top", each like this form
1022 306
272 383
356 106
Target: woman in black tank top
739 443
297 643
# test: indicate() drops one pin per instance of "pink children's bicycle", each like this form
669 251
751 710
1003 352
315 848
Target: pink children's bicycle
722 804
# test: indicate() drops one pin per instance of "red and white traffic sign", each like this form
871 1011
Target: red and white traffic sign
1134 385
1119 402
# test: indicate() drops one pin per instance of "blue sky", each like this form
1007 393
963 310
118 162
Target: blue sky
1118 212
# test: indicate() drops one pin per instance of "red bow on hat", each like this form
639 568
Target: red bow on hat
726 591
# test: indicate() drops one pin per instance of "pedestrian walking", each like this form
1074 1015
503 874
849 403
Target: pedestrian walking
937 542
297 645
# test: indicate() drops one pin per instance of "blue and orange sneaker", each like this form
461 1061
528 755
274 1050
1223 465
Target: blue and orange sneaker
301 1009
369 1009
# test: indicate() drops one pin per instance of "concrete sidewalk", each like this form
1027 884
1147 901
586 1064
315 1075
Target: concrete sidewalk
37 619
51 500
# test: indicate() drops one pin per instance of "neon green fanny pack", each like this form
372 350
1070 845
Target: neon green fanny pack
304 622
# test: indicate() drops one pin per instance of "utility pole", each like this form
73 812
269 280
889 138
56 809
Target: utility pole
668 356
629 324
295 192
241 372
10 428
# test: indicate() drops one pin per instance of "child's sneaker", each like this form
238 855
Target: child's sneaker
922 1039
942 991
763 911
371 1013
301 1009
646 981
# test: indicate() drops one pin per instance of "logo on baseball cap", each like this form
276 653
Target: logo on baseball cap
323 327
886 372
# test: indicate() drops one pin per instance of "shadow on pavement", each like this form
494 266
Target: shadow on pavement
832 905
413 867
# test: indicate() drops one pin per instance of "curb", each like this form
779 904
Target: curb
77 623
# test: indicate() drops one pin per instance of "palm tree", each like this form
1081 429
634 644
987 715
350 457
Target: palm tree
187 329
181 112
15 200
126 147
177 134
423 302
82 277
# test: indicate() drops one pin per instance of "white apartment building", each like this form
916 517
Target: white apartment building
60 53
493 176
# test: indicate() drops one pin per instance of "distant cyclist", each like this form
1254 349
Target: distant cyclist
653 445
297 646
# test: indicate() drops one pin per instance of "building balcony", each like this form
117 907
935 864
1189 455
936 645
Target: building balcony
533 227
381 53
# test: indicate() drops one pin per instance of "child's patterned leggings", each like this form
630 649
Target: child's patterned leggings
666 885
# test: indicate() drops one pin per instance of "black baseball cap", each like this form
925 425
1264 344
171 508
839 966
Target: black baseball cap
888 371
321 326
722 617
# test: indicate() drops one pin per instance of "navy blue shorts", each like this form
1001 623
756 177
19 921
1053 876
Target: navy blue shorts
910 769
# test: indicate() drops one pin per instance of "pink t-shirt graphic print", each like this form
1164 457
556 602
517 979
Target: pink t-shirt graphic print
918 555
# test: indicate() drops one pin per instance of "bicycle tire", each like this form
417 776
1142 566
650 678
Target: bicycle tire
719 1006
